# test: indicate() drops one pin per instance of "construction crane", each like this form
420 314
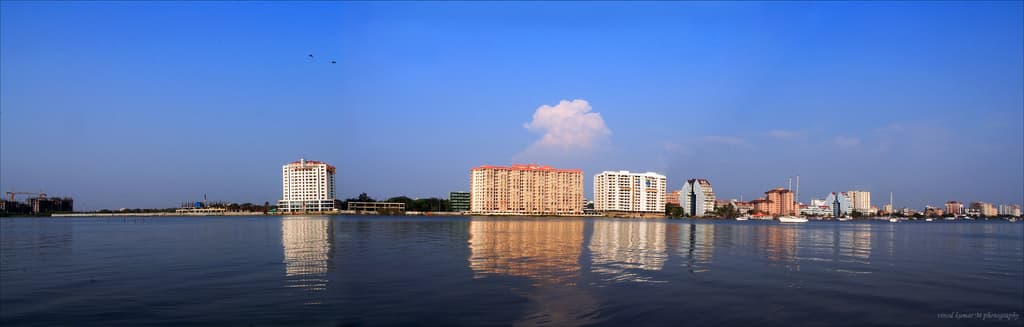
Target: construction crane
11 195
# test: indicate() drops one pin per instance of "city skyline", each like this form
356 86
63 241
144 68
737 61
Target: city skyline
923 100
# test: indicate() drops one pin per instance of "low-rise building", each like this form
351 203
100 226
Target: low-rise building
376 207
459 201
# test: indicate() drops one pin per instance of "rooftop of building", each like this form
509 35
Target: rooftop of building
528 167
303 161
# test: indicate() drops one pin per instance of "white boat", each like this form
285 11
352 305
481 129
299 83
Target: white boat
894 220
791 219
949 218
741 218
928 219
844 219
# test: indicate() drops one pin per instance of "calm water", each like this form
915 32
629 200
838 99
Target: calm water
504 271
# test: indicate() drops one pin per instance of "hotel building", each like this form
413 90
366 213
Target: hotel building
307 186
526 190
697 198
627 192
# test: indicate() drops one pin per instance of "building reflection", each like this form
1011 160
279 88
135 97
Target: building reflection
854 243
545 251
308 250
698 244
623 249
781 245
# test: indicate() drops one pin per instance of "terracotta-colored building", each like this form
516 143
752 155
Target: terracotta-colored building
782 203
672 198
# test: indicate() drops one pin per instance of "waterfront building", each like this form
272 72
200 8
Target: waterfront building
985 209
845 205
526 190
626 192
307 186
817 202
459 201
931 211
954 208
782 203
376 207
742 207
815 210
697 198
762 205
861 200
672 198
1009 210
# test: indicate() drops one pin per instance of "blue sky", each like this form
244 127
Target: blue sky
130 104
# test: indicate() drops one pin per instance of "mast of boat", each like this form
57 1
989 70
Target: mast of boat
891 208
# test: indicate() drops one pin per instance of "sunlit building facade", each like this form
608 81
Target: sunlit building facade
697 198
307 186
526 190
623 191
782 203
954 207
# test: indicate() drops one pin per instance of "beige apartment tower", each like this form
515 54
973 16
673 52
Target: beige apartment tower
526 190
626 192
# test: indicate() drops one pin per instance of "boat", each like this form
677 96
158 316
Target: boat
741 218
949 218
844 218
792 219
928 219
894 220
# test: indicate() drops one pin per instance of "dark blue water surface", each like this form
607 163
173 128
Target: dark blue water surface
358 271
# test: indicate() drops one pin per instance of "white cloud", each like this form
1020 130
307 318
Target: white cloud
567 125
846 141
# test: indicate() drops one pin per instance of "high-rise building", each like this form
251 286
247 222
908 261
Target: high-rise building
526 190
697 198
459 201
1009 210
954 208
845 204
985 209
623 191
307 186
861 200
782 203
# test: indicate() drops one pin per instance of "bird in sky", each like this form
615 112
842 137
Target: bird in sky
311 56
333 62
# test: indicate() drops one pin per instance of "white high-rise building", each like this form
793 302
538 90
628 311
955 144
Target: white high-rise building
624 191
861 200
697 198
308 186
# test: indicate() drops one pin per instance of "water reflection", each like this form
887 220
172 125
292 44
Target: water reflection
698 242
308 250
545 251
622 248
